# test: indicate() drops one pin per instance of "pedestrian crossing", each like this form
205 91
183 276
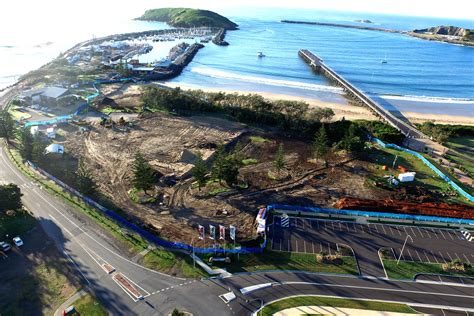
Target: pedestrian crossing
467 235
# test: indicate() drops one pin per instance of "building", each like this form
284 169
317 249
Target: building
55 149
48 96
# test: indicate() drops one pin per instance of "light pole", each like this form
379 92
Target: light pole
256 299
408 236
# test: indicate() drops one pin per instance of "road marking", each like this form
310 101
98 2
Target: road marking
419 230
442 233
457 256
77 267
466 258
340 226
418 255
347 227
390 227
441 256
383 229
409 253
451 235
449 256
329 246
332 224
426 255
433 231
427 232
321 246
434 256
413 231
376 228
355 228
312 245
399 231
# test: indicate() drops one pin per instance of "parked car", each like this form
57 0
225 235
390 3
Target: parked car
5 246
17 241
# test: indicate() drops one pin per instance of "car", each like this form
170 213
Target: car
17 241
5 246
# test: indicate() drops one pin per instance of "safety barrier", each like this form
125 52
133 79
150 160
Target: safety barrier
333 211
142 232
429 164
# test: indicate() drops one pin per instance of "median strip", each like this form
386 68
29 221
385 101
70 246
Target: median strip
125 284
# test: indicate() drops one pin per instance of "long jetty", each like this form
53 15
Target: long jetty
318 65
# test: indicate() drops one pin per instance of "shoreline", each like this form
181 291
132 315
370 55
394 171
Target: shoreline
347 111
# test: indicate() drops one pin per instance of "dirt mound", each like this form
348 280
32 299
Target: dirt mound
391 206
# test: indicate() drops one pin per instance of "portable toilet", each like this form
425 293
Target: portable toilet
406 177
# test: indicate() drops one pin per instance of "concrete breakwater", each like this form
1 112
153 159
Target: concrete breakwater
218 39
360 27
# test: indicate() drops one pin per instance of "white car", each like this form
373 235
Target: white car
17 241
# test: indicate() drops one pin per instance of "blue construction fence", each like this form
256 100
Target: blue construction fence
333 211
429 164
142 232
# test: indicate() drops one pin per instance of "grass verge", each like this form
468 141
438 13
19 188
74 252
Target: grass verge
134 242
408 270
88 305
172 263
334 302
272 260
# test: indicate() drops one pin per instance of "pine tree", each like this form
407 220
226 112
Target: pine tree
199 172
320 144
143 174
84 181
26 144
279 162
38 150
219 165
7 125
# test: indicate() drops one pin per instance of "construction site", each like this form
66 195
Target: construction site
176 206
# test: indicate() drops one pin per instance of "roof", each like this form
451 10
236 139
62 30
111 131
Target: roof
54 92
55 148
143 68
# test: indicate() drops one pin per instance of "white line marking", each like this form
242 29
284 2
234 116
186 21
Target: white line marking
441 256
418 255
384 231
449 256
442 233
77 267
419 230
434 256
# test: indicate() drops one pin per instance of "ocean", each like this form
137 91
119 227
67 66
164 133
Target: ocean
419 76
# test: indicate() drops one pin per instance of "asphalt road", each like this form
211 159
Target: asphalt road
88 246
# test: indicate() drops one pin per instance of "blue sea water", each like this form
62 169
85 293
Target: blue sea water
419 76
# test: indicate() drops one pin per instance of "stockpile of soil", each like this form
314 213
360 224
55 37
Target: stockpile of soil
392 206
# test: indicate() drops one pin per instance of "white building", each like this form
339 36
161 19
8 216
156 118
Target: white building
55 149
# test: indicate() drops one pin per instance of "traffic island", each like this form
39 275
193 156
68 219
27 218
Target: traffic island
125 284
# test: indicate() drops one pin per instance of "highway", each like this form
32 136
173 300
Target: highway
87 246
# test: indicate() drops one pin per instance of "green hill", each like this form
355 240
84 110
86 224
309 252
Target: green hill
183 17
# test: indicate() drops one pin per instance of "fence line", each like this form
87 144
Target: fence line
333 211
429 164
142 232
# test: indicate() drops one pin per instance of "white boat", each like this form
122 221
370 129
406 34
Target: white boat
384 61
260 55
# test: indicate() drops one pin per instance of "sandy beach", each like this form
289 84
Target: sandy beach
347 111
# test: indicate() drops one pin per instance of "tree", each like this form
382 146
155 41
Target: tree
218 167
26 144
38 150
7 125
10 197
143 174
279 161
352 141
199 172
84 181
320 144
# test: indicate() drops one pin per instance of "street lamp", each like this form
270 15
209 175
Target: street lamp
408 236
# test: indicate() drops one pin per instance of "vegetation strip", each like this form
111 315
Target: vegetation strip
286 303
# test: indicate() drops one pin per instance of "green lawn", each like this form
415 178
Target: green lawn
88 305
258 139
407 270
18 115
174 263
334 302
273 260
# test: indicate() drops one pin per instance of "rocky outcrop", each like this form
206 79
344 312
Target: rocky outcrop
448 31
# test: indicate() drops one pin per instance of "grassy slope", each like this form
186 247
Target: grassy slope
334 302
88 305
407 270
184 17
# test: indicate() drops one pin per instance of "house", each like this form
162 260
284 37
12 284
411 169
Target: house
55 149
50 132
44 96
